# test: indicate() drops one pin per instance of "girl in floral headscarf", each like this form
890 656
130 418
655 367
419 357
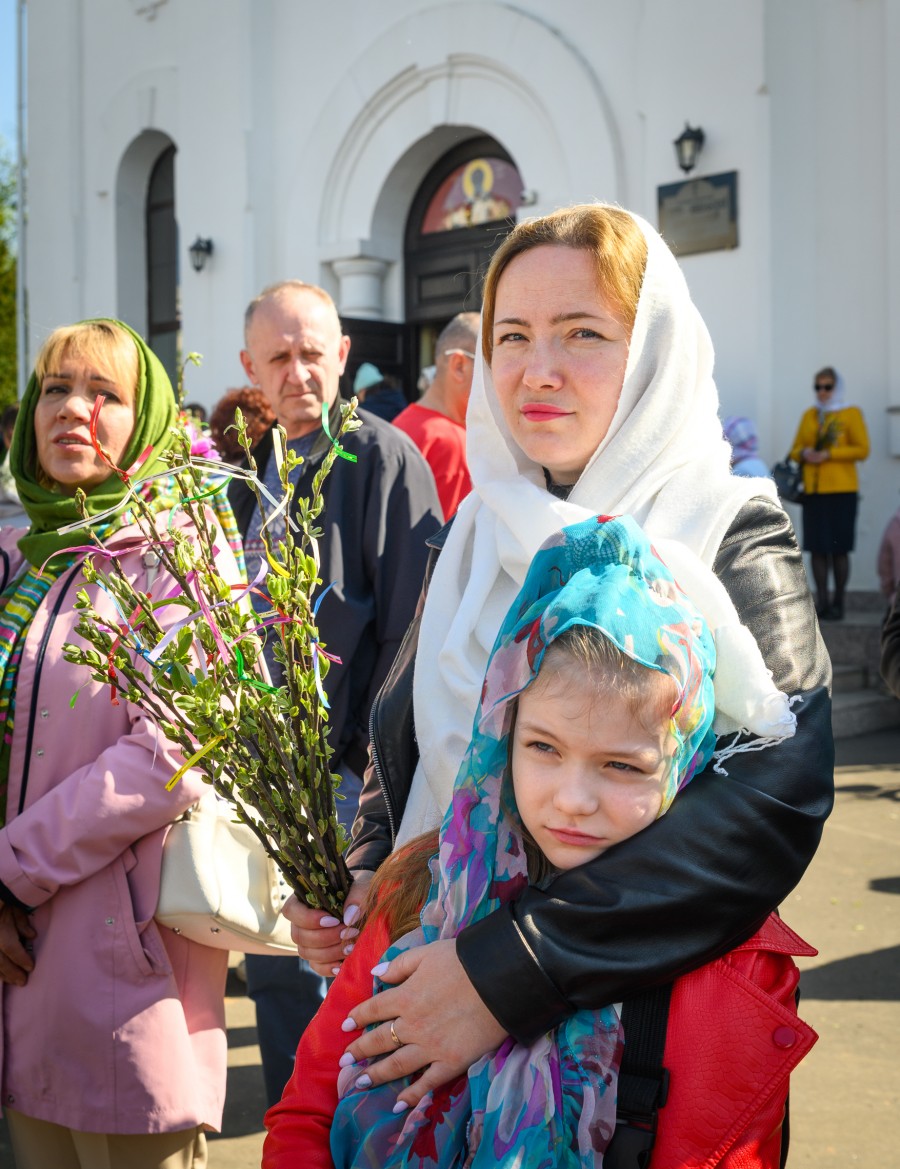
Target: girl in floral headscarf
598 706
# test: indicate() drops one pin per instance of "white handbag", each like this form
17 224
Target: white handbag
219 886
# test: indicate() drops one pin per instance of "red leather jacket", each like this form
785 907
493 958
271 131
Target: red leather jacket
733 1039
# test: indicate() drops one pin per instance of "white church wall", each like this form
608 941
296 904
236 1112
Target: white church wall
303 132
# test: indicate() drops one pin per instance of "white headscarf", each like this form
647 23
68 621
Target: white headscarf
663 461
838 399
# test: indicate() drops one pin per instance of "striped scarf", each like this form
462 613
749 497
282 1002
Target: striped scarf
22 598
19 602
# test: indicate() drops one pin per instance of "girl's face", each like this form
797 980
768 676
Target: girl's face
586 772
62 419
559 357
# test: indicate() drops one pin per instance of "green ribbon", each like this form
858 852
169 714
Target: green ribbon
334 442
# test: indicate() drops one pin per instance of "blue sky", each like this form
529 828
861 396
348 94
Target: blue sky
8 73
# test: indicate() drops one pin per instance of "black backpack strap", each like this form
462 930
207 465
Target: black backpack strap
643 1081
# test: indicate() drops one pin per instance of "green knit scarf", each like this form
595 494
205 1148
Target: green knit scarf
155 414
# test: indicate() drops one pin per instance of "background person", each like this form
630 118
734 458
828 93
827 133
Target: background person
890 648
889 559
379 513
114 1044
258 417
830 440
8 490
437 422
593 394
381 395
744 442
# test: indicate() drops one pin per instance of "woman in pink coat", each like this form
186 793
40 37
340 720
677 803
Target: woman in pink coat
113 1029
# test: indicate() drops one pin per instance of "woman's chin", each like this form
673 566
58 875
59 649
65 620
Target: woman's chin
68 478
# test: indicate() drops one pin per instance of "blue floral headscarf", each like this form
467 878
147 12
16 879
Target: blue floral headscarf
553 1103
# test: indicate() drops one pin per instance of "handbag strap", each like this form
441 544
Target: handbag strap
643 1081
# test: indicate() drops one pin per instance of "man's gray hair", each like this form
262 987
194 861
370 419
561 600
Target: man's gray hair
459 333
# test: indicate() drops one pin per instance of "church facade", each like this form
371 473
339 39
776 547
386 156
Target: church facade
382 150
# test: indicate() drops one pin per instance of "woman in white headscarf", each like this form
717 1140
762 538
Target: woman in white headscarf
831 439
593 395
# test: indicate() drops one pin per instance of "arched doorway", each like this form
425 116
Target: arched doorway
147 244
464 208
163 312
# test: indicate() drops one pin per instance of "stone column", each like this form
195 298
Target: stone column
361 286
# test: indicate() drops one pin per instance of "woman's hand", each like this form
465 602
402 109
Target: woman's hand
811 455
438 1017
320 938
15 931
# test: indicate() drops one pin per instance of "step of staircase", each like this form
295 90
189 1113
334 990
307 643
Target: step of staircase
861 703
861 711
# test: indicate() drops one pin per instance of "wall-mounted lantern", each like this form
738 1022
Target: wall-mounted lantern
200 249
688 145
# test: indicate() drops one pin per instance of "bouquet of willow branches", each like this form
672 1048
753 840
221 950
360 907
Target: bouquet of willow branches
203 680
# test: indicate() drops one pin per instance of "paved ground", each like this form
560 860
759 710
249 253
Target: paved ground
845 1095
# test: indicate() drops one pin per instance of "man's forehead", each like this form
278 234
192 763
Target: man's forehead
294 315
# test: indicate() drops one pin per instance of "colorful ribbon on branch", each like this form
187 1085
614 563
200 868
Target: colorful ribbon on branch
334 442
195 758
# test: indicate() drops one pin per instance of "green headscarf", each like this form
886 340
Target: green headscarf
155 414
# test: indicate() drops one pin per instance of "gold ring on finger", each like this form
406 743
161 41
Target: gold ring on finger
395 1038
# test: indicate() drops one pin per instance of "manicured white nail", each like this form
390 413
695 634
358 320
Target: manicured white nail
349 1024
335 970
380 969
346 1060
364 1082
348 950
400 1106
347 934
328 921
351 914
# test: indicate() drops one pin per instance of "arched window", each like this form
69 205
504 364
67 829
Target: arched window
163 309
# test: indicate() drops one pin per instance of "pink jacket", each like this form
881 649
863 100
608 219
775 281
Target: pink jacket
121 1026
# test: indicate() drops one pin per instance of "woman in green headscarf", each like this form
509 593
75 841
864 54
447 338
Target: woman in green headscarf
113 1029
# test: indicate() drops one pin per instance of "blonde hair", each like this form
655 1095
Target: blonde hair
610 234
603 668
276 291
101 344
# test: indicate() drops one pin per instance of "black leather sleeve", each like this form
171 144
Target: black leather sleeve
702 878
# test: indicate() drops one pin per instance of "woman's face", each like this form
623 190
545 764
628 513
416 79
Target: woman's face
559 357
62 420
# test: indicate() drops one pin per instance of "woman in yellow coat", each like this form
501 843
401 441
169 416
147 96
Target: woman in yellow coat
831 439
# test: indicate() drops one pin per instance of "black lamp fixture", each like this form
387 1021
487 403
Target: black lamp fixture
688 145
200 249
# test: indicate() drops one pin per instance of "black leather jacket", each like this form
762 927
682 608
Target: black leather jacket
695 883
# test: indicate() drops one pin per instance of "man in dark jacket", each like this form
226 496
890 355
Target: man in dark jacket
379 511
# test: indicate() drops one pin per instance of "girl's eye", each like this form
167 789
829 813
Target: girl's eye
506 338
618 765
587 335
542 748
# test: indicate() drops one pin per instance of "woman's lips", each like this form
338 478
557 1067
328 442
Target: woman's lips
542 412
570 836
